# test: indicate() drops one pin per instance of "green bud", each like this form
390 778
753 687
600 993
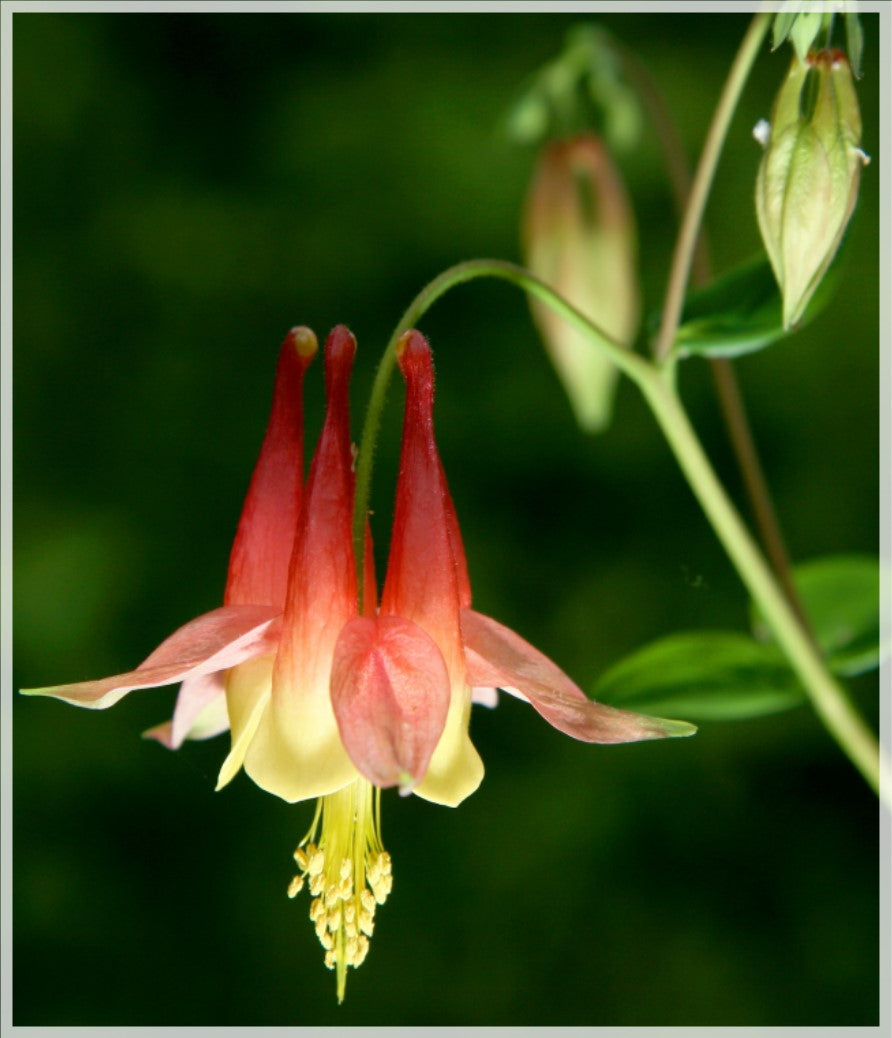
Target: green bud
807 183
579 237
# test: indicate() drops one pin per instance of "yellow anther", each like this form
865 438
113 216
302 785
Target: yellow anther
347 872
317 909
332 895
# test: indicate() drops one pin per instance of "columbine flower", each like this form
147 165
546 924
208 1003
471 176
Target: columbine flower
807 183
326 703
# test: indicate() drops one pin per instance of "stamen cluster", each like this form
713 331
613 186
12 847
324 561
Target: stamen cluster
348 874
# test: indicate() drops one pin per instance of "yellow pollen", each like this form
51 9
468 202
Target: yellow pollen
348 873
295 886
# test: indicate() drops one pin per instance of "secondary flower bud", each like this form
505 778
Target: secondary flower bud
807 183
579 237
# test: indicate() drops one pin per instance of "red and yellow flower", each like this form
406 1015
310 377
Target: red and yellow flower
328 703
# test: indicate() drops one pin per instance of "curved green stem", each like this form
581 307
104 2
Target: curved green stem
625 361
709 158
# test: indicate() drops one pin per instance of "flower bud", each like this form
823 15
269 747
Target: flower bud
807 182
579 237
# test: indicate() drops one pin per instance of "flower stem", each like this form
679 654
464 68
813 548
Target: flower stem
828 698
690 227
725 381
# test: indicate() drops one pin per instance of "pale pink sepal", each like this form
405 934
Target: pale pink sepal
485 697
211 642
390 692
200 712
499 658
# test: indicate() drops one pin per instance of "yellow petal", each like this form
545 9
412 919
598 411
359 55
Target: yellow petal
456 769
248 688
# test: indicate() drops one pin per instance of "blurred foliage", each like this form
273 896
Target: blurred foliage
189 186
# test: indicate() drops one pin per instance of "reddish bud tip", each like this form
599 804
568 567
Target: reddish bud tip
413 353
340 349
830 58
304 342
340 346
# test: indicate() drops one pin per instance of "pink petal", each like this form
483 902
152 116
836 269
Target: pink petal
499 658
485 696
196 693
424 580
214 641
258 562
390 692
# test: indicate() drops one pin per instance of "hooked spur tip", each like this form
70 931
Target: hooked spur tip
304 341
340 347
413 353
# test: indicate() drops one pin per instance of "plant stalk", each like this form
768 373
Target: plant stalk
690 228
827 697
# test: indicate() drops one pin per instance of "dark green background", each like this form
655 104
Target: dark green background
188 187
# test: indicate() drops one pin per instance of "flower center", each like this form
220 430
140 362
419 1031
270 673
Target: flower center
348 873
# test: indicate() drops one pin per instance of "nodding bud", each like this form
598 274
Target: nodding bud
579 237
807 183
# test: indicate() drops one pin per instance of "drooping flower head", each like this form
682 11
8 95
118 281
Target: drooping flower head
326 703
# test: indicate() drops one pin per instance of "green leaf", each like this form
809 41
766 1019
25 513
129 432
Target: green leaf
841 597
741 312
703 676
